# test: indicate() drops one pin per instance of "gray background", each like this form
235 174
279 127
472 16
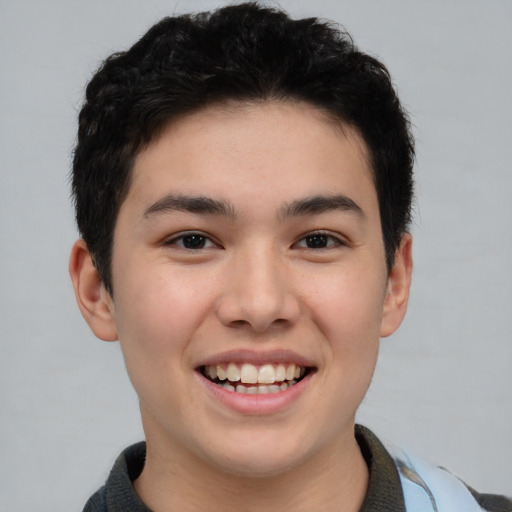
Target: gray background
443 384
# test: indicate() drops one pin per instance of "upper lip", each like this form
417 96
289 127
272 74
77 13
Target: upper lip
256 357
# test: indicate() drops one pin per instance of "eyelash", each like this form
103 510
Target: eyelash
202 238
315 237
331 240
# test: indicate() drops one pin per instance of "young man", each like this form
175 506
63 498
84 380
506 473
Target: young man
243 186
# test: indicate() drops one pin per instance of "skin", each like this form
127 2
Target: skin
257 285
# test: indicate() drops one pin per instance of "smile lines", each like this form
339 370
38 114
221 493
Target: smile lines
250 379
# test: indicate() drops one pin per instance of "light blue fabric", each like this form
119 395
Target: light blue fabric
428 488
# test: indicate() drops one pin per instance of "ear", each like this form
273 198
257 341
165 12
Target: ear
399 283
94 301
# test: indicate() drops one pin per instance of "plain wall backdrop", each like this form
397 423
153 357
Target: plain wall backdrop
443 384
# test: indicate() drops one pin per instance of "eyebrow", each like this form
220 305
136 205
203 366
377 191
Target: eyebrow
193 204
321 204
208 206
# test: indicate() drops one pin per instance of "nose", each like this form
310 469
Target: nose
258 292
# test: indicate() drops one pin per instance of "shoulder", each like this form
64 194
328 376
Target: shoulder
426 487
118 493
492 502
423 481
97 502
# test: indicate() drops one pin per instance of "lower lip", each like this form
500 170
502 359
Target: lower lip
267 403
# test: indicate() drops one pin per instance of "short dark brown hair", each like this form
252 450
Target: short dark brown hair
245 52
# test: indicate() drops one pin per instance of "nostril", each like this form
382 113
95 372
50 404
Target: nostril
239 323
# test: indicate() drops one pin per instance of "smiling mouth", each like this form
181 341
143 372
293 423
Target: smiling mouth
252 379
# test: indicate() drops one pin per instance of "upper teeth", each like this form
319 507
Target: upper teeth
251 374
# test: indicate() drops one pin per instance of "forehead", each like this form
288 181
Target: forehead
246 151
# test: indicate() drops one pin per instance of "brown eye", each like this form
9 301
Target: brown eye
192 241
319 240
316 241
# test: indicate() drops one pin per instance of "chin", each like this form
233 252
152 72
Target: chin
244 466
258 458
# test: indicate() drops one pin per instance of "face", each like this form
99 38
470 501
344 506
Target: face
250 286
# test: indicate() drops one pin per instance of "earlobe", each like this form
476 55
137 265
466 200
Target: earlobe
399 283
94 301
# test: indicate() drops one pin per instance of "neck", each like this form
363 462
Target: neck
335 480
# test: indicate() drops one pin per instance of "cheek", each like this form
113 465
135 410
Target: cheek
347 306
157 315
